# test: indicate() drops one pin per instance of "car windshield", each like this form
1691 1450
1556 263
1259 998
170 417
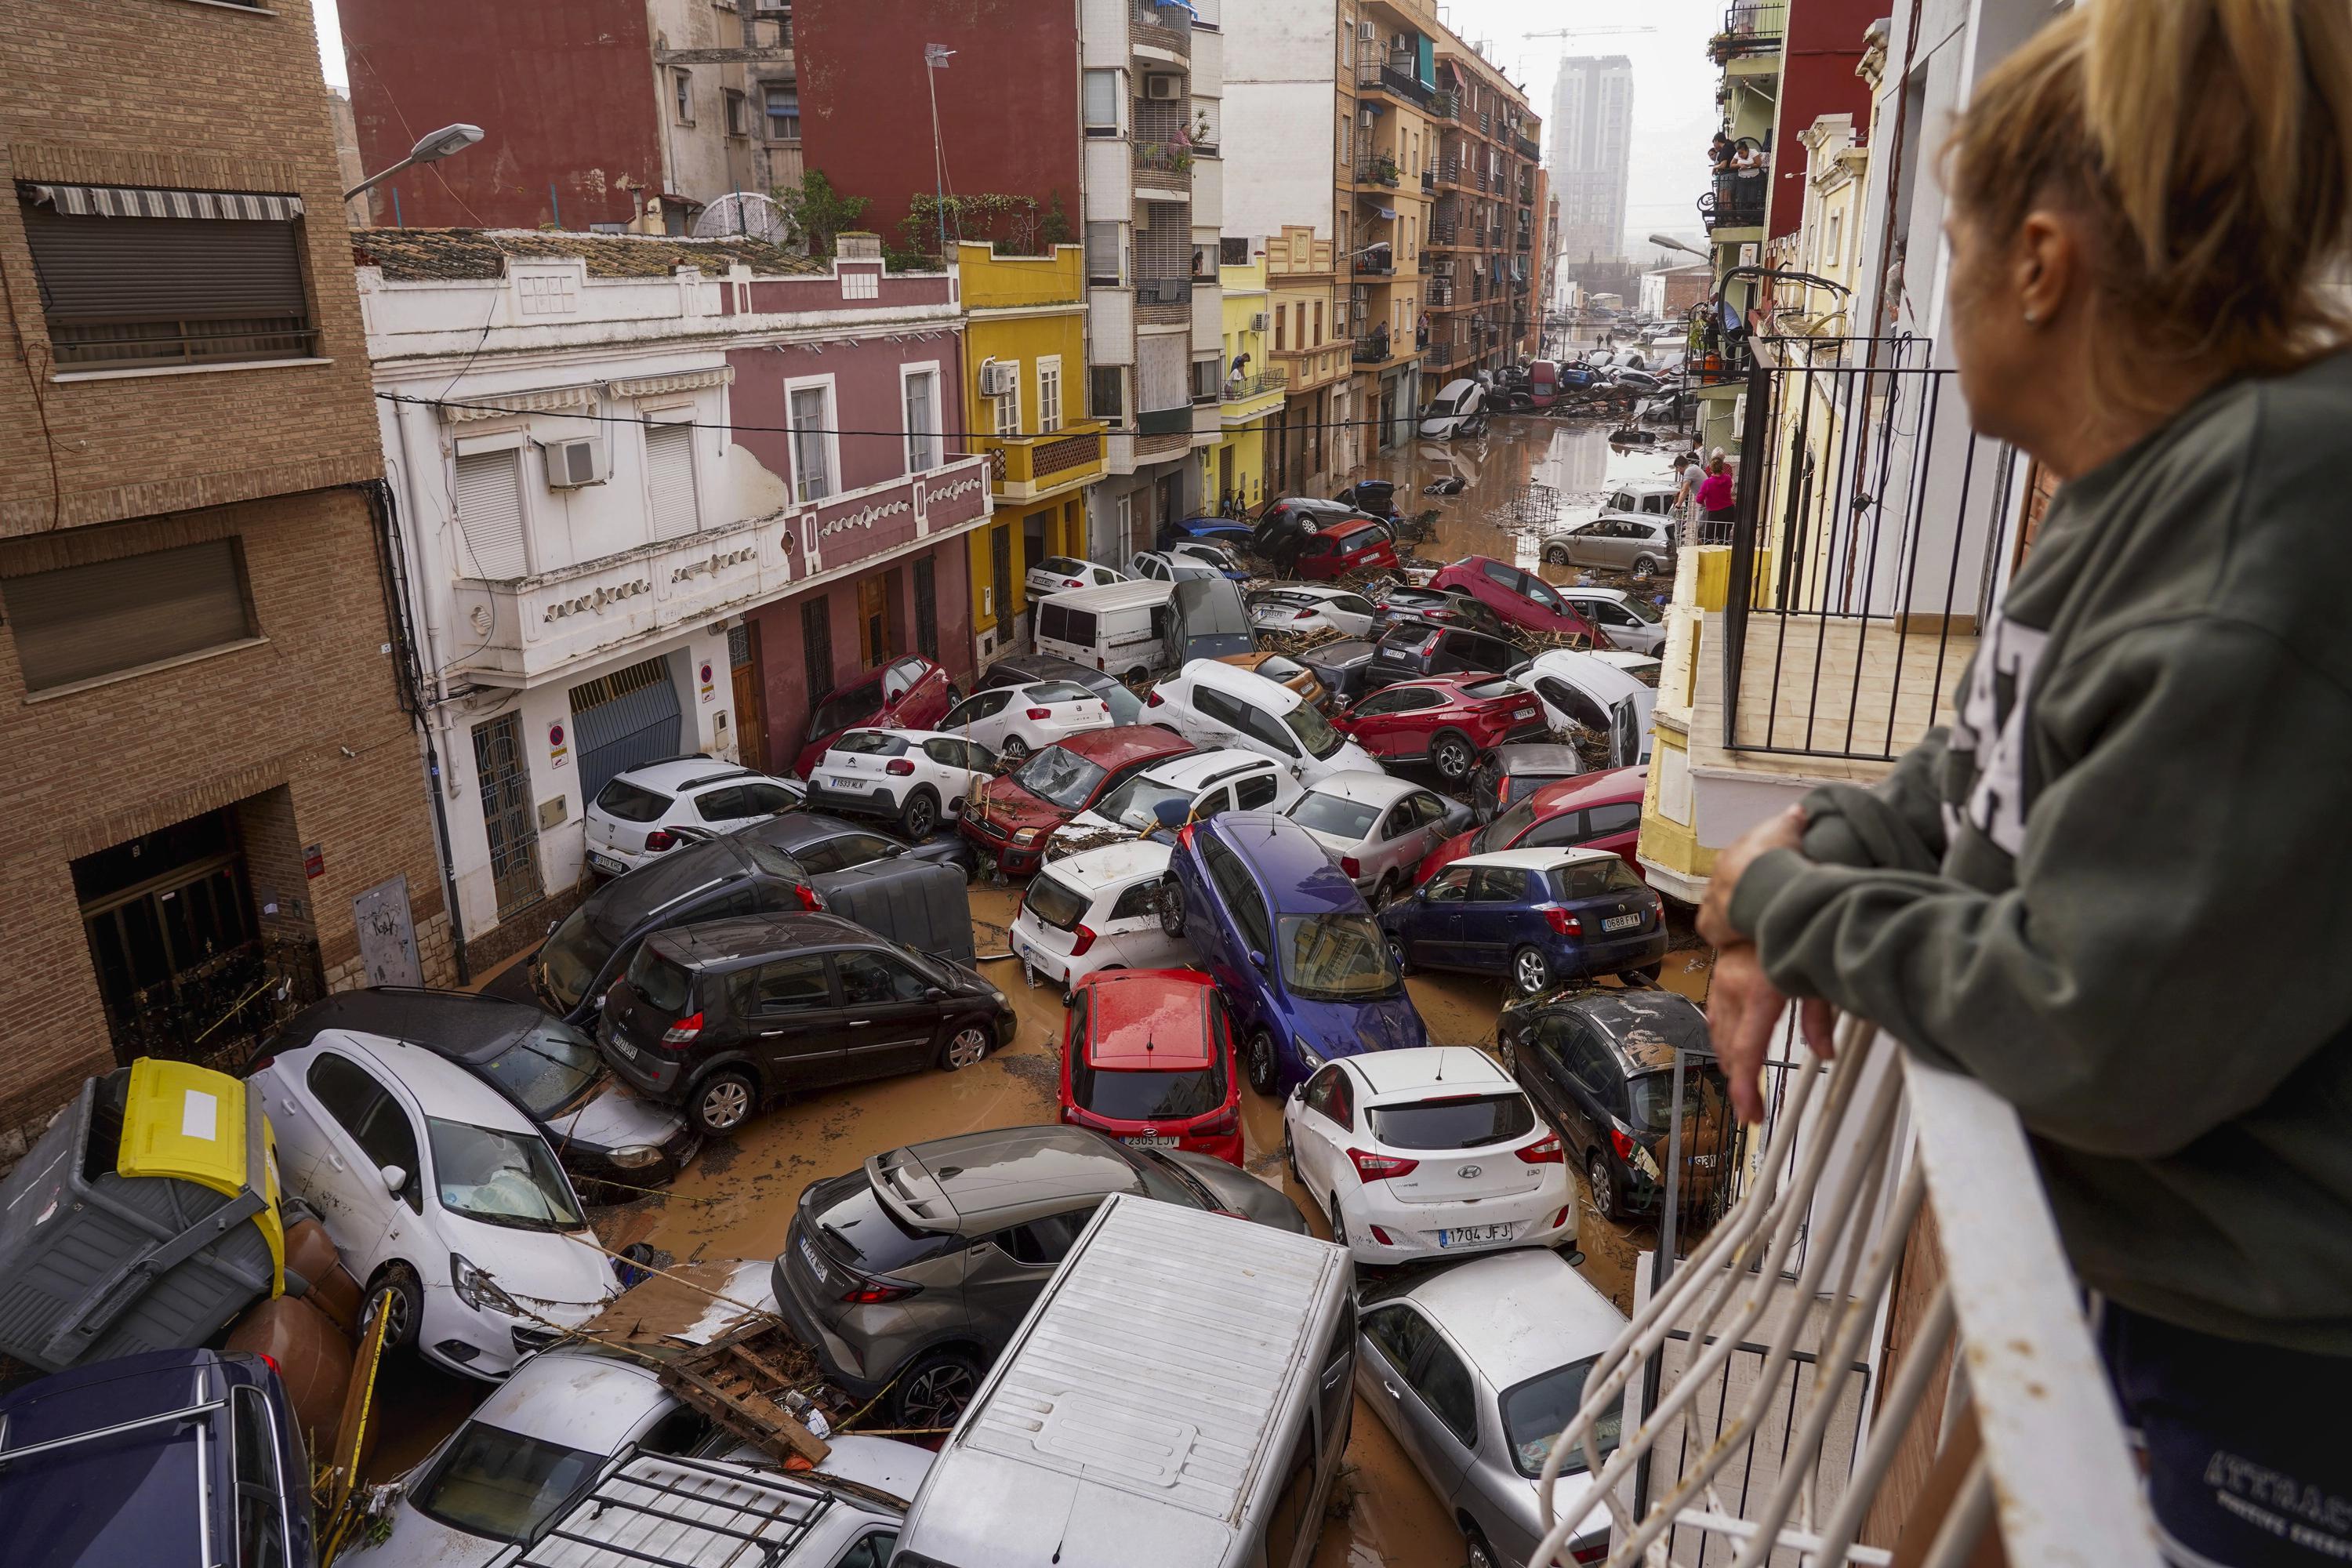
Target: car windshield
1542 592
1335 958
501 1178
631 802
1057 904
1642 609
548 1069
1536 1412
574 957
1137 803
663 984
1314 731
1454 1122
1442 406
1505 830
1060 777
1593 878
1148 1096
842 709
1652 1094
1125 707
1334 814
1489 689
500 1484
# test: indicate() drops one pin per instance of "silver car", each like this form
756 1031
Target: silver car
1377 827
1477 1369
1644 546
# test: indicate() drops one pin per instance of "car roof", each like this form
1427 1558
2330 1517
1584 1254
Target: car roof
1123 743
1366 786
1451 387
1645 1024
1114 595
1539 757
725 944
564 1394
1610 784
1588 591
1148 1019
685 772
1645 487
792 829
1260 691
465 1025
1599 677
1550 859
1112 865
1297 875
1516 1314
983 1181
1029 666
441 1087
1194 769
1403 1075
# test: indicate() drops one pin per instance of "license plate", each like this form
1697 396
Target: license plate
1160 1141
626 1049
840 783
1620 922
816 1264
1472 1235
607 864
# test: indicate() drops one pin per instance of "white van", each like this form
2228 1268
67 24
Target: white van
1178 1398
1120 629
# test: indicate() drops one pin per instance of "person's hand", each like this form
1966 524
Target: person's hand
1743 1008
1785 831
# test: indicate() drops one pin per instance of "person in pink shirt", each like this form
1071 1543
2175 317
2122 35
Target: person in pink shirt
1714 491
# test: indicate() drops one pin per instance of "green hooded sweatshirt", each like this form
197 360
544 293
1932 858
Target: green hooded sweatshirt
2118 891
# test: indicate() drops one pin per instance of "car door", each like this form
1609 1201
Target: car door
1542 1070
365 1128
1587 1074
1402 1339
1258 791
956 766
1435 928
1414 827
1374 723
1490 931
887 1025
1247 930
1441 1405
1004 1272
1615 826
794 1021
727 808
980 718
1326 1121
1570 705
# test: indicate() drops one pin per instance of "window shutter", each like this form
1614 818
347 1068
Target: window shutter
490 512
1102 253
669 471
1163 365
81 622
164 269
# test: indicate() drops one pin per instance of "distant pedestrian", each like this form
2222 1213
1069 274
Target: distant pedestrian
1715 490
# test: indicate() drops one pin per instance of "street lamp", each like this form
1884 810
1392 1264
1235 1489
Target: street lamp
430 148
1668 243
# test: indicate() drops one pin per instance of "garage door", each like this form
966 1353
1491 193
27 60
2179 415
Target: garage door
623 720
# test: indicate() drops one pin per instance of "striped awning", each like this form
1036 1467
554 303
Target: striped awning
127 201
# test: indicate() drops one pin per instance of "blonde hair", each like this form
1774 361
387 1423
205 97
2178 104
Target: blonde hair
2206 142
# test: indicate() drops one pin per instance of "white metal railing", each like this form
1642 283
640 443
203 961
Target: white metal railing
1745 1379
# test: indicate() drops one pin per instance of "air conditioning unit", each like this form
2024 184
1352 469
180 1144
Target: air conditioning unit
580 461
1257 323
1364 31
997 380
1163 89
771 7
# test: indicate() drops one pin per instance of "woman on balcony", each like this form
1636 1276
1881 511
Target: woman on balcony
2117 889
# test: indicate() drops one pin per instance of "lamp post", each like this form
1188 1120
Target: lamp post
1666 242
430 148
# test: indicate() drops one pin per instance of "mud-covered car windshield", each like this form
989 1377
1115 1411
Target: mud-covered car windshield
1061 776
1335 958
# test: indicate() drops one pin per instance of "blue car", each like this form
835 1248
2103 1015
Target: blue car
1231 532
1289 941
168 1459
1538 916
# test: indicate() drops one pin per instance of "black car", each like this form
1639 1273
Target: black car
551 1071
719 1016
1511 773
1206 619
1287 523
1409 652
1600 1068
825 844
1344 667
1402 606
1030 668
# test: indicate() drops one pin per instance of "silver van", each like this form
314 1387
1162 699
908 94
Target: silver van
1178 1397
1120 629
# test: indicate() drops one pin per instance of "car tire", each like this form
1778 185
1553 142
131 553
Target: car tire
1385 889
1607 1202
968 1047
1339 1225
1650 972
1452 756
397 1290
1138 673
1397 952
1644 569
1290 1156
933 1393
1263 1063
919 815
1172 909
722 1102
1475 1552
1531 972
1556 555
1015 751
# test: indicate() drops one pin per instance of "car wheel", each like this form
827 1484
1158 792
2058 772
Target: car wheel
1338 1225
398 1296
1015 750
921 815
964 1047
1597 1180
1644 569
1290 1155
1556 555
1475 1552
933 1392
1385 889
1263 1067
723 1102
1138 673
1650 972
1397 952
1530 973
1507 1051
1172 908
1453 758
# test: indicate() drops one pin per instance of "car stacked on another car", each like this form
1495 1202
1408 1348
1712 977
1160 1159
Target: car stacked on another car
1601 811
1308 607
1029 669
1147 1058
1096 910
1170 566
1630 621
1521 598
917 778
1597 694
1060 573
1417 650
1450 722
1283 669
1014 720
1339 548
1537 916
1375 826
1516 770
643 812
1009 819
1168 794
1213 704
1404 605
1232 533
908 693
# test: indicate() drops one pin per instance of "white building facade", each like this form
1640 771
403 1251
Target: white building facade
1591 152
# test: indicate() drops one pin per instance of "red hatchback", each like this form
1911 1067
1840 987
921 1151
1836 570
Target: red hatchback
1011 819
1342 548
1147 1058
910 693
1521 598
1596 811
1448 722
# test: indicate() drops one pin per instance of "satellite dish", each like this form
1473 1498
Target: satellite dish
746 213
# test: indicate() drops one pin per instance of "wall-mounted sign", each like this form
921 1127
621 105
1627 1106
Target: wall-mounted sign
708 690
314 861
557 750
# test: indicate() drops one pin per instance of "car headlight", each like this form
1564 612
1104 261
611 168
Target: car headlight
478 1289
1029 836
635 1157
1308 1057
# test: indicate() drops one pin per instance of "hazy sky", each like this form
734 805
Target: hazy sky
1673 84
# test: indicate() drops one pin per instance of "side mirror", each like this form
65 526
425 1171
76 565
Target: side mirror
395 1178
893 851
600 1000
933 994
1258 960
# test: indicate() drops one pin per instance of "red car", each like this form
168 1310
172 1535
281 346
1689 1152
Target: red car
1147 1058
1600 811
1449 721
1342 548
910 693
1010 818
1521 598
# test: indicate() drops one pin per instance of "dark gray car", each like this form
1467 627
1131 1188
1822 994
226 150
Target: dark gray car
913 1273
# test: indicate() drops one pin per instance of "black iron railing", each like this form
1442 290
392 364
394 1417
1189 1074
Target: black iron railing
1736 202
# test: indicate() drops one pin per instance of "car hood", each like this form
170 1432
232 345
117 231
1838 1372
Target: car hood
558 1277
1238 1191
613 1118
1352 1028
418 1541
1348 759
1010 805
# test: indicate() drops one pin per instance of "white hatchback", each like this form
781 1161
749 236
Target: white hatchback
1166 566
1629 620
1211 703
1427 1152
917 778
1014 720
642 812
1170 793
1096 910
1060 573
1312 607
441 1195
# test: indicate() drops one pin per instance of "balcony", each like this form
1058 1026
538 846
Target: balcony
1023 467
1737 201
1526 149
1168 28
1166 421
1163 299
1164 167
1378 348
1247 398
1443 233
1378 261
1378 169
1446 104
1748 31
1395 76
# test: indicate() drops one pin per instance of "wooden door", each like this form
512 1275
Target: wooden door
872 621
750 699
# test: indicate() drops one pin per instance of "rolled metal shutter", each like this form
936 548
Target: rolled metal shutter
80 622
164 269
623 721
489 511
669 472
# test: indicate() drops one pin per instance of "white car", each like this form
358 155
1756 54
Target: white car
1060 573
440 1194
1458 409
1096 910
1205 552
1311 607
1014 720
1377 827
1628 620
1170 793
1160 566
1211 703
1595 692
917 777
1428 1151
641 812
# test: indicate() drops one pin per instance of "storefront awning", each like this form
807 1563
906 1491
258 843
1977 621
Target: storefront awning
126 200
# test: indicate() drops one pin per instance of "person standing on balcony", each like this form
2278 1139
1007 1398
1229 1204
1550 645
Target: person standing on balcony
1716 490
2091 891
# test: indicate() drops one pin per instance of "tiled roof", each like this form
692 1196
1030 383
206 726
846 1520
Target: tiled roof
411 255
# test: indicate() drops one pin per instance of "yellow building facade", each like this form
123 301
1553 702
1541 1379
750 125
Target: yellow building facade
1024 393
1233 471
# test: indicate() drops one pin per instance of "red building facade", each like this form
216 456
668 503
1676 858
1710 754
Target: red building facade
1819 52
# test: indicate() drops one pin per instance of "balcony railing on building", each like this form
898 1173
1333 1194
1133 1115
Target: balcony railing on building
1241 388
1396 74
1022 465
1524 149
1375 262
1443 231
1163 26
1166 163
1166 421
1428 181
116 345
1736 202
1375 347
1163 299
1377 169
1446 104
1751 30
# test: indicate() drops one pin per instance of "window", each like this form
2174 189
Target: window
1400 1332
1207 380
926 608
1102 253
669 479
1106 397
922 399
1279 316
738 114
131 278
682 85
260 1508
1098 97
1255 793
1613 818
782 103
82 623
1498 885
873 1549
1044 1241
1233 251
816 645
1443 1383
1449 886
1008 405
810 419
1049 395
873 980
1318 325
794 984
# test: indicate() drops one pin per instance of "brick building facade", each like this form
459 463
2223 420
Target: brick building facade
208 759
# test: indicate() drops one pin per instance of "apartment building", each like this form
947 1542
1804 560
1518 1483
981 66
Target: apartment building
1252 395
1483 233
212 780
600 114
1592 153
